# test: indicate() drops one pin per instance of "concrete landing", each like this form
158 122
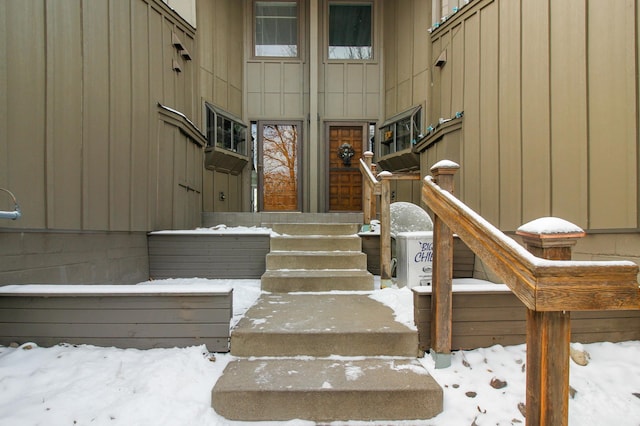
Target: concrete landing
326 324
327 390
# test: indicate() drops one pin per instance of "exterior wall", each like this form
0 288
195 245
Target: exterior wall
406 70
314 90
549 95
220 38
83 144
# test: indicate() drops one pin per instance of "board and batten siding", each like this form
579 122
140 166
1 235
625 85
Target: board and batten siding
123 316
549 93
79 134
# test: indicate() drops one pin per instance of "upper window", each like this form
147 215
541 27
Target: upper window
350 31
276 28
225 132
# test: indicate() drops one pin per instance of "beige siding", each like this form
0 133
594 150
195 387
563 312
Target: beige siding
64 114
95 134
405 55
22 102
80 131
509 118
613 143
549 93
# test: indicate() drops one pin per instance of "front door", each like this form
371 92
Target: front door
278 164
345 180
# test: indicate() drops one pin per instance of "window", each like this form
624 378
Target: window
225 132
400 132
350 31
276 28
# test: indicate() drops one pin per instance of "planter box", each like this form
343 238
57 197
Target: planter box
125 316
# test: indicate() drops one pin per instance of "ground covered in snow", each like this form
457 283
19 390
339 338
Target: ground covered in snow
88 385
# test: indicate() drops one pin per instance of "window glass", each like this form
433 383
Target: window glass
400 132
276 28
225 133
350 31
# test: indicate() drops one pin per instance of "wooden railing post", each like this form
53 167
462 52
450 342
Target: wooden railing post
385 229
441 307
367 193
548 333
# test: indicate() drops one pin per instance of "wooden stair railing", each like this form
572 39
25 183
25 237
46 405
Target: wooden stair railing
372 187
550 286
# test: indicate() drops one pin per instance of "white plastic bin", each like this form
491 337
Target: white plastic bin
414 254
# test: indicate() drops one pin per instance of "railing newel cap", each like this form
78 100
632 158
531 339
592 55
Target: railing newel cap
367 154
445 164
550 227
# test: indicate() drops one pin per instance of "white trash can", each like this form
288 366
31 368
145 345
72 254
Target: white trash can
414 254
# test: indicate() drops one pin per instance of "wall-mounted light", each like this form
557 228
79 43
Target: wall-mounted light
221 196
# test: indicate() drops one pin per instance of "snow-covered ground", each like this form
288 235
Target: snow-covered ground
88 385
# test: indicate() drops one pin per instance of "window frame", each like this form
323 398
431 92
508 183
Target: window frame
327 47
389 131
254 17
234 124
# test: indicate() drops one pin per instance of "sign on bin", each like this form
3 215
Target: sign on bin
415 258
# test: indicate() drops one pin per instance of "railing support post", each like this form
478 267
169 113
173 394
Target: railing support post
548 333
367 195
441 298
385 229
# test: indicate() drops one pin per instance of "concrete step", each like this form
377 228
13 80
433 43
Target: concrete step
321 325
316 260
325 390
316 228
316 242
321 280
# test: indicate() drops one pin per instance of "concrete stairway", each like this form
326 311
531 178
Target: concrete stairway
316 257
322 356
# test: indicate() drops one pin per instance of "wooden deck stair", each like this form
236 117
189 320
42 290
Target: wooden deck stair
305 353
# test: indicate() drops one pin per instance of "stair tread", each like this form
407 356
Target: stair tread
328 388
345 313
313 273
281 324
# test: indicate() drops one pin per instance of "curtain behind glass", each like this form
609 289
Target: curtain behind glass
350 31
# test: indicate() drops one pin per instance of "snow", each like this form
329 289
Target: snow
445 164
82 384
550 225
219 230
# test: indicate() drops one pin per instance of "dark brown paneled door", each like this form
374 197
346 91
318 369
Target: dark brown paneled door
345 180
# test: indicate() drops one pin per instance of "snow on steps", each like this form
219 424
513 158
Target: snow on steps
323 356
326 390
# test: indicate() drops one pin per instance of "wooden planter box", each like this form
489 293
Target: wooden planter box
485 317
125 316
207 255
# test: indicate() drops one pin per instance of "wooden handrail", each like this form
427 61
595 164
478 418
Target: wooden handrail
542 285
374 186
550 286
